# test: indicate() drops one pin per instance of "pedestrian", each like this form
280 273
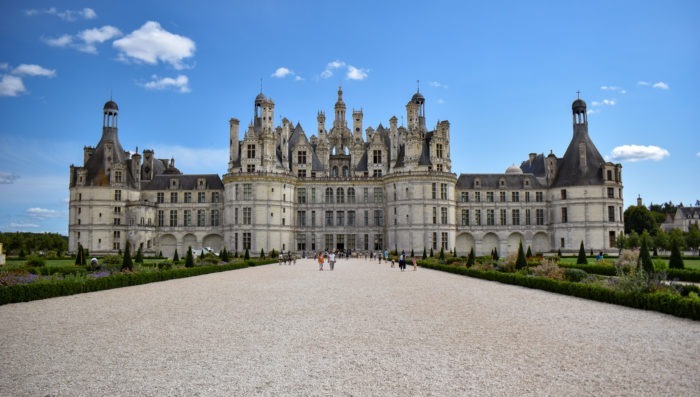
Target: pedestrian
402 261
379 255
331 259
386 254
392 262
279 259
415 266
320 261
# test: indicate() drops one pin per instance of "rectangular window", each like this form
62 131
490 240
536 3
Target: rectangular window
611 213
609 173
443 215
490 217
612 241
340 218
502 197
329 241
527 217
118 176
376 157
438 150
515 197
160 197
434 191
117 221
246 241
366 242
477 217
301 173
313 194
539 214
329 218
465 217
477 197
301 195
515 214
173 218
443 241
301 242
378 195
563 194
564 215
173 197
313 218
366 218
503 216
201 217
250 168
377 173
465 197
117 195
443 191
489 197
301 157
539 197
215 197
251 151
339 240
351 218
188 197
365 194
235 216
527 197
329 195
187 218
201 197
215 217
117 210
611 192
161 218
378 218
247 216
350 241
435 241
247 191
301 218
434 215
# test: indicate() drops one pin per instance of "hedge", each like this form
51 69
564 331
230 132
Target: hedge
41 290
604 270
687 275
662 302
691 276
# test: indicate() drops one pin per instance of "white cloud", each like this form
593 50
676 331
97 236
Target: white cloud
151 43
282 72
661 85
7 177
642 83
61 41
604 102
356 73
67 15
33 70
11 86
613 88
337 64
440 101
298 78
179 83
634 153
24 225
97 35
42 213
437 84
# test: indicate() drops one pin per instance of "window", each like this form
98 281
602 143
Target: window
173 197
215 197
443 215
188 197
115 245
527 197
247 191
313 194
160 218
377 173
611 213
329 195
611 192
250 168
366 218
187 218
477 197
489 197
236 193
247 216
378 195
251 151
313 218
434 191
378 218
438 150
301 195
438 168
376 157
246 241
301 173
301 157
490 215
351 195
365 194
118 176
117 195
235 216
329 241
434 215
527 217
443 191
562 242
465 217
350 241
340 195
301 218
351 218
117 210
443 241
515 197
201 197
201 217
609 173
301 242
515 215
117 234
329 218
563 194
117 221
465 197
477 217
173 218
340 218
564 215
611 239
539 214
160 197
435 242
215 217
503 216
539 197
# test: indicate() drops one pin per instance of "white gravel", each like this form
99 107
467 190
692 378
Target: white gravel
361 330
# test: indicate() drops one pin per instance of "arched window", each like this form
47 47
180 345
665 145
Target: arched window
329 195
346 171
351 195
334 172
340 195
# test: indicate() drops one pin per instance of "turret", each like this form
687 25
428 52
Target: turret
234 144
339 120
136 166
357 123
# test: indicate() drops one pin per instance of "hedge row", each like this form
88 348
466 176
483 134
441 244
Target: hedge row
604 270
662 302
687 275
34 291
691 276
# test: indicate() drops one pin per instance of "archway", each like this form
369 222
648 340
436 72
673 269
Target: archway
190 240
488 243
540 243
513 242
464 243
213 241
168 245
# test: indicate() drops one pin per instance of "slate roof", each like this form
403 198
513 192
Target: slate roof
186 182
492 181
569 167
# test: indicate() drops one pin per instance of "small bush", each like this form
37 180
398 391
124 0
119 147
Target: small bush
575 275
508 264
112 260
35 261
164 265
548 268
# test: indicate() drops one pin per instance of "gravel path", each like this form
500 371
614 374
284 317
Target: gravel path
361 330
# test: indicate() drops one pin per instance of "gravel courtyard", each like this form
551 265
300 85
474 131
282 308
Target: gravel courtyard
363 329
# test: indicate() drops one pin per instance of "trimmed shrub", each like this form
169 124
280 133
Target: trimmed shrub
644 261
676 260
581 260
471 258
521 261
127 264
35 261
575 275
189 258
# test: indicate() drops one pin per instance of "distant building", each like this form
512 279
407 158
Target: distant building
389 188
682 219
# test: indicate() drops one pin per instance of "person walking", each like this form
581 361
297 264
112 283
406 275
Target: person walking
415 266
320 261
402 261
331 260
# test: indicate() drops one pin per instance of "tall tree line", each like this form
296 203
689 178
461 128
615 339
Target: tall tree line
15 243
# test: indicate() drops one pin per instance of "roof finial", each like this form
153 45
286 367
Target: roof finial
418 84
578 94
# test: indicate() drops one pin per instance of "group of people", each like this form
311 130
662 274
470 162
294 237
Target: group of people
287 258
322 258
331 256
402 262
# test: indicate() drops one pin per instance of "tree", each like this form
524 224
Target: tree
471 258
644 261
661 240
621 242
262 253
633 240
676 260
521 261
78 256
413 255
425 256
127 264
189 259
528 254
494 254
223 255
139 255
582 260
176 257
638 219
246 256
442 254
431 252
692 239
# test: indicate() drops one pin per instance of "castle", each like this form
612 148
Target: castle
389 188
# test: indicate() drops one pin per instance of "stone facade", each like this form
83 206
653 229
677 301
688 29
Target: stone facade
387 188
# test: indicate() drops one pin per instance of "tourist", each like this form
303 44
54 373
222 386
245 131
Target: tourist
402 261
279 259
415 266
320 261
386 254
331 260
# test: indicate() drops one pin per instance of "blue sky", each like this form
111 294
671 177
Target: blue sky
503 73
